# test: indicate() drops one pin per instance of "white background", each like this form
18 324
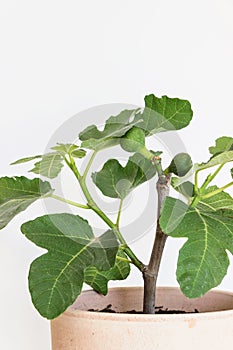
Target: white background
60 57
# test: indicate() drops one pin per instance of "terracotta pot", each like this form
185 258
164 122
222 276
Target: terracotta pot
211 328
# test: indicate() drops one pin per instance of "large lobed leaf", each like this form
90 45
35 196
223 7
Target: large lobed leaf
165 113
56 278
117 181
203 259
17 193
98 280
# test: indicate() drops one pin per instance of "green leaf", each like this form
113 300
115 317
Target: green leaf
221 158
49 166
140 169
112 180
133 140
17 193
181 164
56 278
98 280
185 188
231 173
117 181
25 160
70 149
203 260
162 114
218 201
115 127
65 148
227 213
222 144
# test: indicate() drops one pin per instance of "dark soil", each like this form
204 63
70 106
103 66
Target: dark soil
158 310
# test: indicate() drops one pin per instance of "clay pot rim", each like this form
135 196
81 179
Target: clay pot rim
72 312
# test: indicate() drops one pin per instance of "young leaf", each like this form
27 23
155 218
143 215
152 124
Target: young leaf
162 114
117 181
64 148
25 160
203 259
56 278
115 127
222 144
49 166
17 193
70 149
98 280
78 153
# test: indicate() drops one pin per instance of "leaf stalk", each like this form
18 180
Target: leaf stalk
64 200
119 213
211 177
208 195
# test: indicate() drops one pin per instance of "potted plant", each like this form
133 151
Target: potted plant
75 255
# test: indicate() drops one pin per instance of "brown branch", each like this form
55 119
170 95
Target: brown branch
150 272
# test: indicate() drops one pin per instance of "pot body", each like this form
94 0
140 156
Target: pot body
211 328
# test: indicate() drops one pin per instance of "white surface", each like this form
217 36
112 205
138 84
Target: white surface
61 57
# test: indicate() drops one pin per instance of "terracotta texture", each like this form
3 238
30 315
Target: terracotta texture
211 328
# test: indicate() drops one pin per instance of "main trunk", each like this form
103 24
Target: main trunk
150 273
